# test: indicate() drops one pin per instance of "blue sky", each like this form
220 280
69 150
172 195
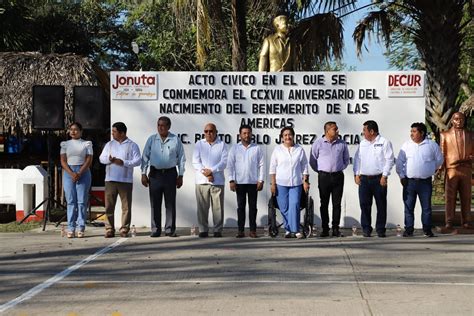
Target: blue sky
373 59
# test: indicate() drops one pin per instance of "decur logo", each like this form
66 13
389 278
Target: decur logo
413 80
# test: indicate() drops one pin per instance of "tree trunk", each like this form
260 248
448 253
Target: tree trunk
438 40
239 35
202 33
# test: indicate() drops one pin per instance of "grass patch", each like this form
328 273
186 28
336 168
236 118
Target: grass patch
14 227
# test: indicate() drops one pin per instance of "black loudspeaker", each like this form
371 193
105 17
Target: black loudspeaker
48 107
89 106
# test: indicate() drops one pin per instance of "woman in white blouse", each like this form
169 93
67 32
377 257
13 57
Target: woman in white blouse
76 158
289 176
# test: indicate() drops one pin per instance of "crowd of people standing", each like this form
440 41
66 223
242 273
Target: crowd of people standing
163 165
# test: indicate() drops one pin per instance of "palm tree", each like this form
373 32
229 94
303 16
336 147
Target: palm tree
438 31
239 35
317 31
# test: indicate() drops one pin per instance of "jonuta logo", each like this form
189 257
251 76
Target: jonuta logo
127 81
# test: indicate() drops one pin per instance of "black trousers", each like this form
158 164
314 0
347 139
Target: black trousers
244 190
370 189
163 183
330 184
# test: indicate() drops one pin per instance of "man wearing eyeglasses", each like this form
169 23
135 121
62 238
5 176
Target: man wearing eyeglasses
209 161
163 152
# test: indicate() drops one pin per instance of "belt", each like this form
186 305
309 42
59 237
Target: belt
329 173
371 177
420 179
155 170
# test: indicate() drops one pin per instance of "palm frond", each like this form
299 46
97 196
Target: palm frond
317 39
377 23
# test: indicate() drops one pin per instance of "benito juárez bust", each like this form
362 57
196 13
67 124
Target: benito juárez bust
277 53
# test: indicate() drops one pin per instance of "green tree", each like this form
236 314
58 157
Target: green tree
438 29
164 44
317 33
15 25
89 28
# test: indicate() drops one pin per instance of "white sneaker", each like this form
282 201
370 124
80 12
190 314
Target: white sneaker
299 235
288 235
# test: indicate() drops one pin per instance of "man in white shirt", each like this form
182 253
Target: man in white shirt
373 161
245 166
120 155
209 161
417 162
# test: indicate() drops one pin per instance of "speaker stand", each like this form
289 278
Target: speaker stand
50 201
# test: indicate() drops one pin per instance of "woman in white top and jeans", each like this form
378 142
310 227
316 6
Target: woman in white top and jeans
289 176
76 158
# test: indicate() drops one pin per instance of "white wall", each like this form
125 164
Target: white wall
393 114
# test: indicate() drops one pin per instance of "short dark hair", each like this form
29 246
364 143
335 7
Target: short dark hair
120 126
287 128
327 124
421 127
372 126
244 126
165 119
79 125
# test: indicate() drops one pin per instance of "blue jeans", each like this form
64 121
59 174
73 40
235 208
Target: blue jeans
421 188
369 189
288 199
77 196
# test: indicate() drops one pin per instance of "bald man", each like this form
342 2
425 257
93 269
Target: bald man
209 162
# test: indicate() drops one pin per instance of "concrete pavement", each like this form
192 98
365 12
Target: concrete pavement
189 275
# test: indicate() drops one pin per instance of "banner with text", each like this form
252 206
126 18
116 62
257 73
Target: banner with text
267 102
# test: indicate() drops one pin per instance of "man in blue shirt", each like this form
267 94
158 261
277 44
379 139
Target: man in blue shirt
163 152
329 157
418 160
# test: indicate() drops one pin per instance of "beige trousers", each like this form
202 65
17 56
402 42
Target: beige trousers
208 195
112 190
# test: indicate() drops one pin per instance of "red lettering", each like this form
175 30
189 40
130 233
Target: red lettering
404 80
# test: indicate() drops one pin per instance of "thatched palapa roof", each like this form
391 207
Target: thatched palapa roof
19 72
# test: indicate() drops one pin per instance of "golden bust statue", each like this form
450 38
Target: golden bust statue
276 53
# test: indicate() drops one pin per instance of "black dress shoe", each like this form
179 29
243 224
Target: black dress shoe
171 234
381 235
429 233
407 233
203 234
240 235
324 233
336 233
217 234
366 234
155 234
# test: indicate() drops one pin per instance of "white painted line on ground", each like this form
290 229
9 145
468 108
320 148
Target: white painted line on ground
268 282
58 277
